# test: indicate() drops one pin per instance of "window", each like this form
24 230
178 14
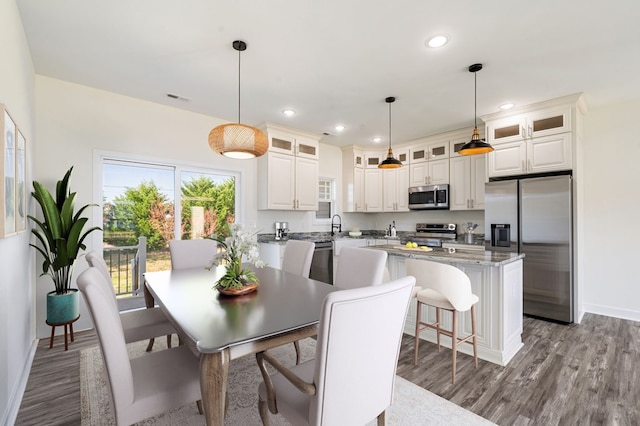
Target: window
326 200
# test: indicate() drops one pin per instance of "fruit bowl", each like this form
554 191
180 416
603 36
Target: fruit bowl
355 233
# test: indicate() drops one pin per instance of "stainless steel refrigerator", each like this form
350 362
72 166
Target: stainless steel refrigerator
534 216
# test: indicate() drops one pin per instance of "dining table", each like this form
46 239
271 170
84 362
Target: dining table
284 308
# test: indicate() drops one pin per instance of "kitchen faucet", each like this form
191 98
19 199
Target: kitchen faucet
336 226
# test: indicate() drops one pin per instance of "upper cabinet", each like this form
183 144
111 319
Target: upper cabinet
288 172
535 139
428 149
529 125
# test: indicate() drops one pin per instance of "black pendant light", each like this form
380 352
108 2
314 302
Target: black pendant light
390 162
475 145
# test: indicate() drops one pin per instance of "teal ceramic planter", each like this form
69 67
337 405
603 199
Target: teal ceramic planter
63 308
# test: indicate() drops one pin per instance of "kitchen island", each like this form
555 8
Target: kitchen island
496 278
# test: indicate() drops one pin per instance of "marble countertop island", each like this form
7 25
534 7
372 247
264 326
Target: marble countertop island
477 257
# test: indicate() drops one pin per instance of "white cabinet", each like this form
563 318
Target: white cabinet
395 190
535 141
467 179
530 125
353 179
288 172
373 158
429 173
428 149
373 190
543 154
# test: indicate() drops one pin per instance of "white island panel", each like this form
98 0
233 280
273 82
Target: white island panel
498 313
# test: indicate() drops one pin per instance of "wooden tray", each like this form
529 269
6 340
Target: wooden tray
418 249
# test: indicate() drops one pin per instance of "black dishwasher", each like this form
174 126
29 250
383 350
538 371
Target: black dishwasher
322 262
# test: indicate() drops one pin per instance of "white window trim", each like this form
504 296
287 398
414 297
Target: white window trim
99 156
315 220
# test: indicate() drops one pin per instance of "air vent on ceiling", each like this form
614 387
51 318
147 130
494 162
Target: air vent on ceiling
178 97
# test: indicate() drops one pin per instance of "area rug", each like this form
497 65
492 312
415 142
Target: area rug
412 405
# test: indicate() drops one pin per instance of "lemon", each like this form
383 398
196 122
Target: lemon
409 244
424 248
414 245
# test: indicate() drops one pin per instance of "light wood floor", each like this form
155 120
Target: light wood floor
565 375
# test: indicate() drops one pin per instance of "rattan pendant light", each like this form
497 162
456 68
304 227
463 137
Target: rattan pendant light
390 162
475 145
236 140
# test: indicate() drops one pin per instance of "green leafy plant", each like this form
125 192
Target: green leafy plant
239 242
60 233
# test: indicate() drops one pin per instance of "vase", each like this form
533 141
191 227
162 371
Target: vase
62 308
245 289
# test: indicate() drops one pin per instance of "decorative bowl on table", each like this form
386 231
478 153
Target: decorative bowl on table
355 233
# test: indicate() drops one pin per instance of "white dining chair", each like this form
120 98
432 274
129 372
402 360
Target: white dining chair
359 267
350 381
297 257
145 386
444 287
187 254
137 324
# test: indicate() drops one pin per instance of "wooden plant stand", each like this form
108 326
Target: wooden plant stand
65 324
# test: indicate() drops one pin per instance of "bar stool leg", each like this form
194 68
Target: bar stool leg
473 330
454 345
417 337
71 328
438 328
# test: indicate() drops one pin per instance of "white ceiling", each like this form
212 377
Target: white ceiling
335 61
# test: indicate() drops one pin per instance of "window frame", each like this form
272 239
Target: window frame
179 167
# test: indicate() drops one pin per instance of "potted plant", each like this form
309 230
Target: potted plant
239 243
60 236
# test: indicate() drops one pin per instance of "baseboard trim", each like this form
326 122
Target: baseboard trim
16 398
612 312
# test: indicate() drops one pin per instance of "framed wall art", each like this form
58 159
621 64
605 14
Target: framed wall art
8 171
21 179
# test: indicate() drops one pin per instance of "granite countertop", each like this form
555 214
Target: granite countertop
476 257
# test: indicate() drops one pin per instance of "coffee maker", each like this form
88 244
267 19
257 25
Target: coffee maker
282 229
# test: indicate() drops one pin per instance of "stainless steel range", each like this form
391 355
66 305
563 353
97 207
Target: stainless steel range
432 234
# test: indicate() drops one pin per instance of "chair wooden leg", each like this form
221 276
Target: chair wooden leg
475 337
168 340
264 412
382 418
438 328
71 330
199 404
150 345
417 338
296 345
454 345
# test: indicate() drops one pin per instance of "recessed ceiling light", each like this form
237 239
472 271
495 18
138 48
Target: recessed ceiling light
289 112
507 105
339 127
377 139
437 41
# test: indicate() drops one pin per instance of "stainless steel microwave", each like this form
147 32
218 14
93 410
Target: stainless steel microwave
429 197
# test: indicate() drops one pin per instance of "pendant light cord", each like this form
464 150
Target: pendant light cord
389 125
475 99
239 52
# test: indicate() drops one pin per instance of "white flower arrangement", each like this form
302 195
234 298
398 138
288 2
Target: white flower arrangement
241 244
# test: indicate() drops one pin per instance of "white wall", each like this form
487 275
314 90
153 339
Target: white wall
76 121
610 283
17 275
